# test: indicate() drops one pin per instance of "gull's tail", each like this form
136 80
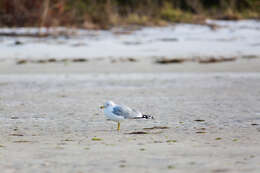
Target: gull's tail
144 117
147 117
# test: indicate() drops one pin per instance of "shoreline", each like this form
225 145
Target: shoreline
139 66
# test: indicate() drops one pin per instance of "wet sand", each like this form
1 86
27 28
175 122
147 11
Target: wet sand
207 117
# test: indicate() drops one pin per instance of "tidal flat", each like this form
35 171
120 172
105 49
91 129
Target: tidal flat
204 122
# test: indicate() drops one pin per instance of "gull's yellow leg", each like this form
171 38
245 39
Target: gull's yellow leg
118 126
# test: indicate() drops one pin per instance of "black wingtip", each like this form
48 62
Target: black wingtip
147 117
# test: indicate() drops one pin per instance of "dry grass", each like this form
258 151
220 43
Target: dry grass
108 13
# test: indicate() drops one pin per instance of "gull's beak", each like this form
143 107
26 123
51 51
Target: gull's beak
102 107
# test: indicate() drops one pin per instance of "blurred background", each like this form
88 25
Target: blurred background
104 14
192 30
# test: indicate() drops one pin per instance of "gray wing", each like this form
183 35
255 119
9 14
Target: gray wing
125 112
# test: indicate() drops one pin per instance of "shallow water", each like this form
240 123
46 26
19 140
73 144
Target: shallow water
230 38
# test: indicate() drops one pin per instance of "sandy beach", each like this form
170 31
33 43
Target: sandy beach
207 117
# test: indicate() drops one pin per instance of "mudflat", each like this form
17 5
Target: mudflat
207 117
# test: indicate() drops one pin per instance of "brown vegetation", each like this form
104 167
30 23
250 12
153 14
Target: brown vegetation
107 13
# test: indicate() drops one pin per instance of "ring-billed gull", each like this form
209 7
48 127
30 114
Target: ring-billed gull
118 113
